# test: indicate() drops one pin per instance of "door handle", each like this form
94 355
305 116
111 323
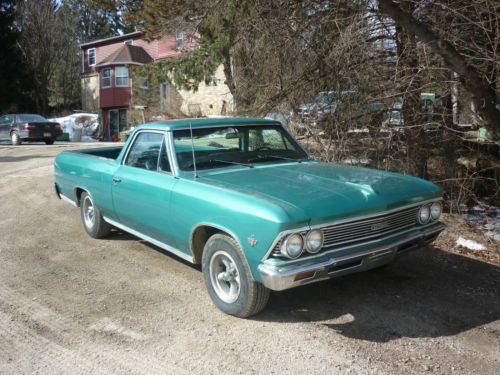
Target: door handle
116 180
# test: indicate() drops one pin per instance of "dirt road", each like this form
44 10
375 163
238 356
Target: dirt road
70 304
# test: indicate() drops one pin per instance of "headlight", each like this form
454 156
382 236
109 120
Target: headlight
436 210
314 241
293 245
424 214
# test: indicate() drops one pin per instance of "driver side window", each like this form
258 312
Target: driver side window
145 151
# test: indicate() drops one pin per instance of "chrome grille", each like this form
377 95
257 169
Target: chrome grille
366 229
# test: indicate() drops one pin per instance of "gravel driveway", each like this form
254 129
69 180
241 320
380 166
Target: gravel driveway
70 304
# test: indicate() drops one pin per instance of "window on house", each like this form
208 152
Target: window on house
144 83
179 40
106 78
121 76
212 81
91 56
128 42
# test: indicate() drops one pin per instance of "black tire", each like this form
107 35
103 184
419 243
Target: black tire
49 141
94 224
251 298
14 137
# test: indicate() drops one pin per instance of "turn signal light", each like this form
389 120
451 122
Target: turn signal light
304 275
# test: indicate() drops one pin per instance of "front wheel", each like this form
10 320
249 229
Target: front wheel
49 141
92 219
228 278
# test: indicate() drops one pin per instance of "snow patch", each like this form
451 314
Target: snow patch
485 218
86 125
470 244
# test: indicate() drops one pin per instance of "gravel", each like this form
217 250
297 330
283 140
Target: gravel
70 304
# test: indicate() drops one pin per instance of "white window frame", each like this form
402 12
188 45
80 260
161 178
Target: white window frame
88 57
129 42
179 36
102 78
144 83
212 80
117 76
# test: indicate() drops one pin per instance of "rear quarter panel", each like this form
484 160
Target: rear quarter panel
94 174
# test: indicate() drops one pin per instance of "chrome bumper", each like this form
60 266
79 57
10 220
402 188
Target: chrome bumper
292 275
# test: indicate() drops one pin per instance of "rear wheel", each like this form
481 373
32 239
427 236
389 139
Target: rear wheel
228 278
14 137
49 141
92 219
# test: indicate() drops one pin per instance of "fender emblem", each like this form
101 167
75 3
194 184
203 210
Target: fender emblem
251 240
379 226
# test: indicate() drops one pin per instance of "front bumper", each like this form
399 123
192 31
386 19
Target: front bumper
281 277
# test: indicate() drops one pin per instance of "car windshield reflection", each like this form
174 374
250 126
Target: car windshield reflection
235 146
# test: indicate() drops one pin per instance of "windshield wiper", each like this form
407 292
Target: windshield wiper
232 162
276 157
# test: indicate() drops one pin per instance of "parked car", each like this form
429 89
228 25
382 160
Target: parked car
347 103
28 127
319 108
244 199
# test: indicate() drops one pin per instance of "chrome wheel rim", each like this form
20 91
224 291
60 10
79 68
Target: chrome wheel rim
88 212
15 137
225 277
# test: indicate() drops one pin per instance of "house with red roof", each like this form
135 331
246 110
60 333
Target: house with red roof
123 99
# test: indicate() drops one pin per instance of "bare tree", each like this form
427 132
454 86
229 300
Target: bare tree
483 94
40 44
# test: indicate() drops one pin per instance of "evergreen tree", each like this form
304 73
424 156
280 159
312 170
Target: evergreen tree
15 82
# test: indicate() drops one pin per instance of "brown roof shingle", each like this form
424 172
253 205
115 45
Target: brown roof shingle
128 54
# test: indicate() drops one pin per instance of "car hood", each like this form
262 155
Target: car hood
321 192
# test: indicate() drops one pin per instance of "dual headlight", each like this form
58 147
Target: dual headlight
294 245
429 212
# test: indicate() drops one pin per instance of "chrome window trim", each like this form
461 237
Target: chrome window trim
172 140
226 125
129 147
169 138
162 245
164 145
298 143
342 221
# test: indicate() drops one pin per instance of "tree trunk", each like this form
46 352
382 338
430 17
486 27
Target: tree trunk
410 81
482 94
228 72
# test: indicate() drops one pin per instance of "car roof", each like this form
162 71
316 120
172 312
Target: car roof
204 122
22 114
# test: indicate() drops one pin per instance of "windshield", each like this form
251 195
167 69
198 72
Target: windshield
31 118
235 145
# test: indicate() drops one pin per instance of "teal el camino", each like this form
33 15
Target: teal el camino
242 198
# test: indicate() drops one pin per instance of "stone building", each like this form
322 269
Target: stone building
113 87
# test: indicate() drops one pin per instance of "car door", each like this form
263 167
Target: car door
142 186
